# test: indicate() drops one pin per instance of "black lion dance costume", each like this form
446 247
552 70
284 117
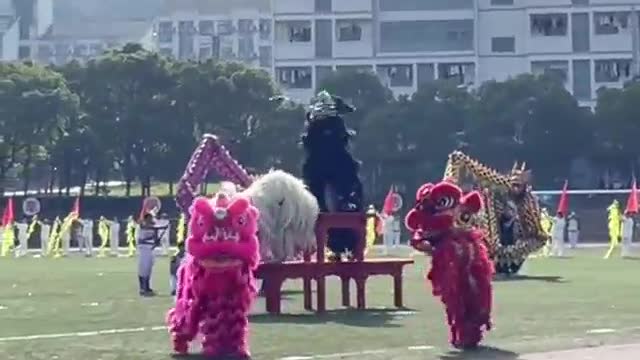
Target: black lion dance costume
329 169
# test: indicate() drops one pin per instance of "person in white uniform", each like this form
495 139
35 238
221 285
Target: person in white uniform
557 235
627 234
22 227
45 231
115 236
86 239
388 234
573 229
395 229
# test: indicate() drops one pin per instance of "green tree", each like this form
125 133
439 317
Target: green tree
535 119
36 105
230 100
617 128
128 91
406 142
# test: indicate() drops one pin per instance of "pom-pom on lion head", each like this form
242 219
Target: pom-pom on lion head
222 232
441 207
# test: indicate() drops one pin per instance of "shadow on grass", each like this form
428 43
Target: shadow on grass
481 353
349 317
549 279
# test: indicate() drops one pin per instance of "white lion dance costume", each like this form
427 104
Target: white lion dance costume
288 211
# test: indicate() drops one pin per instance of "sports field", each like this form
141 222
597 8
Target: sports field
561 303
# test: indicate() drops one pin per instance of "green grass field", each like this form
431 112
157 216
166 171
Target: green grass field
559 305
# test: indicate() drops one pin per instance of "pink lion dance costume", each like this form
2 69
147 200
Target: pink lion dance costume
216 285
461 271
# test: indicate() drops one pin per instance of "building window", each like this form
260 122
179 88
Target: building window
396 75
555 69
24 52
186 27
549 25
265 56
580 2
165 32
206 27
349 31
460 73
611 22
323 6
501 2
265 29
300 33
504 44
205 52
246 26
225 27
612 70
294 77
293 31
246 48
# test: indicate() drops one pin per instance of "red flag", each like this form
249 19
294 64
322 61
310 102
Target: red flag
76 207
563 204
632 201
8 215
389 201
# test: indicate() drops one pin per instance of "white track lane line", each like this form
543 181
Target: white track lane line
81 334
298 357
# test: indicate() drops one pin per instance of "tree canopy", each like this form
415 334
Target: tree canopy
132 114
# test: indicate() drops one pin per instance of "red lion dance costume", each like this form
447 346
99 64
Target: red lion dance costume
461 271
216 285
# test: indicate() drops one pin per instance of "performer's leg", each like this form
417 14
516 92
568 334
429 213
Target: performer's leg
396 239
172 284
573 239
81 241
213 328
66 238
145 263
89 243
386 241
561 248
153 261
625 250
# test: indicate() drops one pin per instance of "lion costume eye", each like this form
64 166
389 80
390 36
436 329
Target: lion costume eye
242 220
445 203
200 221
465 217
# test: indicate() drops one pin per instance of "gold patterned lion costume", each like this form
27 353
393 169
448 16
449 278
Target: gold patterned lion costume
501 191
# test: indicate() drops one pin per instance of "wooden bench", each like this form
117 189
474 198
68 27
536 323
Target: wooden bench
275 274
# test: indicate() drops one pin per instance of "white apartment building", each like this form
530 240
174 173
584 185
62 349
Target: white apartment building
9 37
57 31
84 40
589 43
239 30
